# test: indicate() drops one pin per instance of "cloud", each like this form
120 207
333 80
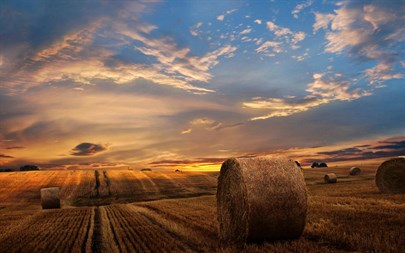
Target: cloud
302 57
202 121
281 107
194 29
246 31
211 124
367 32
15 147
267 45
348 29
5 156
186 131
278 30
91 53
283 36
300 7
189 161
365 152
323 90
258 21
382 72
222 17
87 149
395 145
322 21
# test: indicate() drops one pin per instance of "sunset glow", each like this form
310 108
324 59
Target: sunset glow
187 84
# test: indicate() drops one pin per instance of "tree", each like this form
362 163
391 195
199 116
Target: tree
28 168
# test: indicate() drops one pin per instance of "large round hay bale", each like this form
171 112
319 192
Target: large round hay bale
330 178
354 171
390 177
260 199
50 198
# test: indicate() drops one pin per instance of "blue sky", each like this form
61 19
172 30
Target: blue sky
193 82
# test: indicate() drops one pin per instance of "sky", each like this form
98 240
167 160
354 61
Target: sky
187 84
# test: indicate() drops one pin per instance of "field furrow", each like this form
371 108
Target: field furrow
50 231
142 233
194 213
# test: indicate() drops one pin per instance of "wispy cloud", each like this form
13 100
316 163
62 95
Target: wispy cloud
283 36
221 17
300 7
324 89
258 21
368 32
194 30
266 46
186 131
246 31
83 58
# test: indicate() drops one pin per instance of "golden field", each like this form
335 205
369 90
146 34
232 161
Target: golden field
176 212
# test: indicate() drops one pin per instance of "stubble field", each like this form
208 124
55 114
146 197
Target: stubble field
176 212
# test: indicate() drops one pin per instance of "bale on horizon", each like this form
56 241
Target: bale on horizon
323 165
50 198
260 199
390 176
330 178
354 171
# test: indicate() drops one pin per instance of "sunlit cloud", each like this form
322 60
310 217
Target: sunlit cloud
153 82
194 29
382 72
324 89
202 121
283 35
300 7
186 131
356 28
70 59
246 31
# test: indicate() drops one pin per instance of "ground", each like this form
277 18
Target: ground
176 212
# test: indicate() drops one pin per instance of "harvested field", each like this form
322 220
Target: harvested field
78 188
351 215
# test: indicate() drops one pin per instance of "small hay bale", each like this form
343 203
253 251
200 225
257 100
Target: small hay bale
354 171
323 165
50 198
260 199
330 178
390 177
